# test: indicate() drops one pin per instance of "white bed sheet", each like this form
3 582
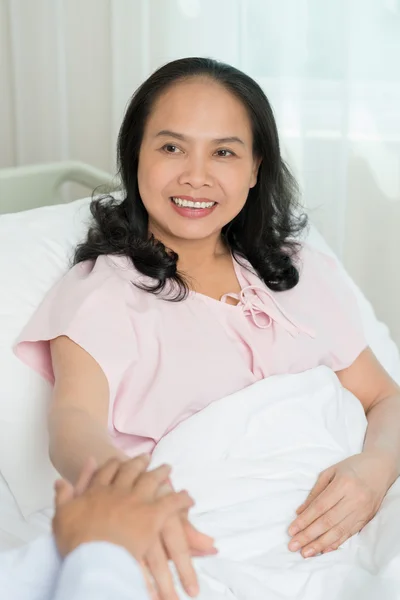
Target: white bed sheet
249 460
15 530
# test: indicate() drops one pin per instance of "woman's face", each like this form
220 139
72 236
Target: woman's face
196 164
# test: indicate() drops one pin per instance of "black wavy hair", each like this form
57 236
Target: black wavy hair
263 232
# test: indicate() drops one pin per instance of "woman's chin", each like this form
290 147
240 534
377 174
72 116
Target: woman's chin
192 235
193 231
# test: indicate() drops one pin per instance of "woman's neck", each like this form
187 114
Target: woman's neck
194 255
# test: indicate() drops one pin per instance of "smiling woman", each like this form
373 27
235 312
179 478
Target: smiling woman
199 131
211 153
194 287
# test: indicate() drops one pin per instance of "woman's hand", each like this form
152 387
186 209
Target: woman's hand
118 505
344 499
179 542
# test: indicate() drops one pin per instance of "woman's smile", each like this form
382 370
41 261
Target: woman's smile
192 208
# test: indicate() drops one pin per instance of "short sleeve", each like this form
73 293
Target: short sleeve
88 305
335 313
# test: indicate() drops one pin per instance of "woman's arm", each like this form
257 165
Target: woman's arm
380 397
79 410
347 495
78 430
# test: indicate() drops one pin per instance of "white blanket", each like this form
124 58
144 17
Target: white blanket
249 460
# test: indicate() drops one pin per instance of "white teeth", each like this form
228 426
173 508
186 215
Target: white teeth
191 204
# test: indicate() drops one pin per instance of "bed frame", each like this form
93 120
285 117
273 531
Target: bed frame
34 186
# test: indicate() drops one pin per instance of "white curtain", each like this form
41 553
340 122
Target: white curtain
331 69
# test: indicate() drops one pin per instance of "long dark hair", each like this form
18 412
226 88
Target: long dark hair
263 232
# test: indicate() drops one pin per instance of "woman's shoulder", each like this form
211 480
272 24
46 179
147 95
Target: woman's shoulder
325 293
326 298
103 286
314 265
102 268
111 272
320 278
90 305
323 287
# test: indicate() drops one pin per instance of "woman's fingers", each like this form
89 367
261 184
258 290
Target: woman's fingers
150 586
173 505
130 471
110 471
325 523
199 543
318 507
105 474
89 469
203 553
177 548
336 545
149 483
64 492
157 563
322 482
334 537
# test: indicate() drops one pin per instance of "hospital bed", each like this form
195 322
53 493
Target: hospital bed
38 232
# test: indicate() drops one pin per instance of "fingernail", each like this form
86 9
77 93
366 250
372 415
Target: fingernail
309 552
188 496
193 590
205 553
294 546
293 530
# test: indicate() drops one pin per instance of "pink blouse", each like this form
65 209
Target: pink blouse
164 361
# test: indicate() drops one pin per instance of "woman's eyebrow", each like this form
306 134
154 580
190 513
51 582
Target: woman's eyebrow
179 136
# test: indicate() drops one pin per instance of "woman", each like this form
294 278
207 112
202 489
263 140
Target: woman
193 287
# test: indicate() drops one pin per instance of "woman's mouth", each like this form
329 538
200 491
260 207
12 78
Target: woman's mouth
192 208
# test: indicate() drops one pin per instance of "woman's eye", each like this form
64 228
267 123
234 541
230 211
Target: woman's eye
224 153
170 148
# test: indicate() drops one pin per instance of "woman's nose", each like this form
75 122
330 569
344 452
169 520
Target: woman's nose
195 173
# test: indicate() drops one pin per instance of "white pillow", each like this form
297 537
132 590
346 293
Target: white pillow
35 249
377 333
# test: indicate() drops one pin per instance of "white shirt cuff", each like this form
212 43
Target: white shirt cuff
101 571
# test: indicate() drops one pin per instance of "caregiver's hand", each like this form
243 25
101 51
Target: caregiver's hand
119 506
179 542
344 499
